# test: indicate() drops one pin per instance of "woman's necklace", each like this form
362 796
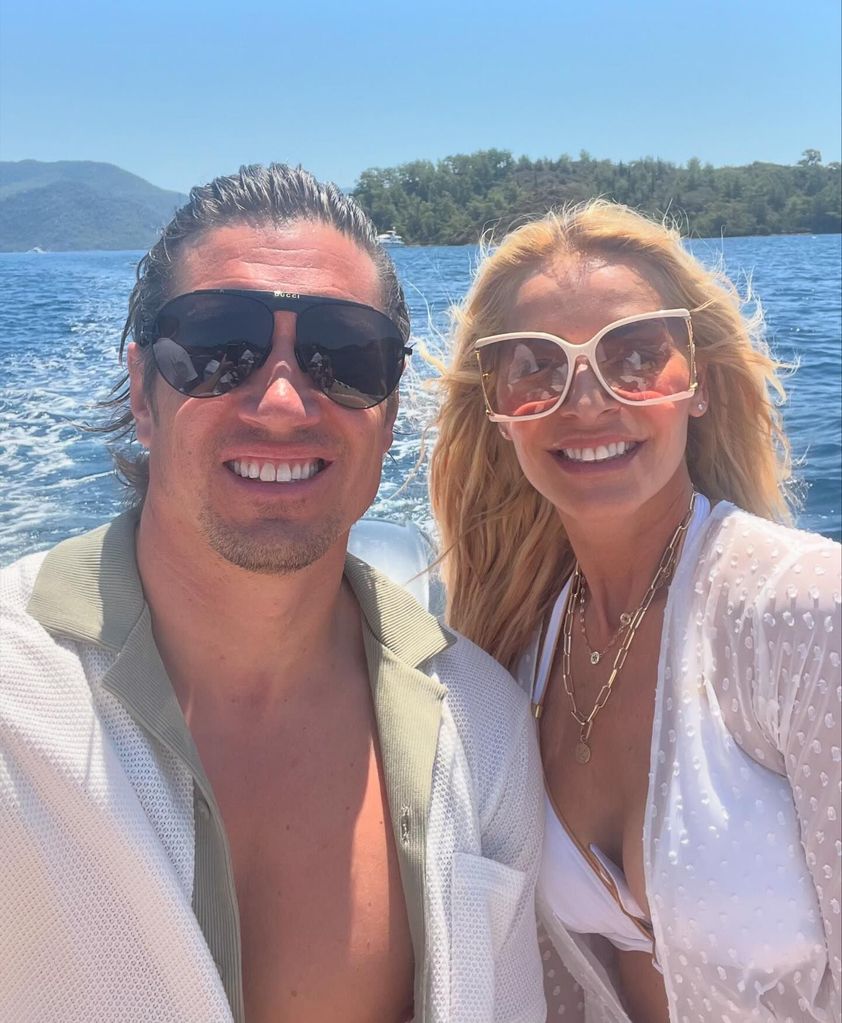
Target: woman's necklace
597 655
577 586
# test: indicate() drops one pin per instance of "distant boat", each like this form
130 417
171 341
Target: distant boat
390 237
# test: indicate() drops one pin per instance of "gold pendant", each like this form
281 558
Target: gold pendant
583 752
594 657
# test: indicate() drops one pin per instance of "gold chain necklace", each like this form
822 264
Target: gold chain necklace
597 655
661 577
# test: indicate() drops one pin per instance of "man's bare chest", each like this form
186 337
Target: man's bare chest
322 915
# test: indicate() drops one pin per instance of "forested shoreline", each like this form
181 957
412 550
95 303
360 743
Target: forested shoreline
74 205
454 200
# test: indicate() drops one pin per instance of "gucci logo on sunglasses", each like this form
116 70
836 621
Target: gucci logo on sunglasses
206 343
646 359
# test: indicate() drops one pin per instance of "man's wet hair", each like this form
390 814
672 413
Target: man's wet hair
259 196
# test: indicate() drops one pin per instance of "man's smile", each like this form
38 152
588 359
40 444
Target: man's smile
276 471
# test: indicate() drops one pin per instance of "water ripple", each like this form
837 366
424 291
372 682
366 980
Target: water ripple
61 318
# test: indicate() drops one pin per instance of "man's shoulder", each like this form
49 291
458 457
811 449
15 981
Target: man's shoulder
17 582
478 688
79 588
481 694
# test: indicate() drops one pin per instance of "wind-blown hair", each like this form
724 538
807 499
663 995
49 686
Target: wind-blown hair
258 196
505 551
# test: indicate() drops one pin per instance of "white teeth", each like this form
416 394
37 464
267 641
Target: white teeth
599 453
269 472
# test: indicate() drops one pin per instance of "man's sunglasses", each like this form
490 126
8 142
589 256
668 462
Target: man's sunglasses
206 343
646 359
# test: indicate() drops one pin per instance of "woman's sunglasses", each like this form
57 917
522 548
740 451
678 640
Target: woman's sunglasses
646 359
206 343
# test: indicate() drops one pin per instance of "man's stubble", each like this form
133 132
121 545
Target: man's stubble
273 547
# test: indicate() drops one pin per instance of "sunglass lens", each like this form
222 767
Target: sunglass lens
522 376
204 345
646 359
353 354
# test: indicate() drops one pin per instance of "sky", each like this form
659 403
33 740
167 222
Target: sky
179 92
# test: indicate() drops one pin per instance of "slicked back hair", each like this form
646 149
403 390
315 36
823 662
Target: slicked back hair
257 195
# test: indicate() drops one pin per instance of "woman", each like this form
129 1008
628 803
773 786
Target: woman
608 479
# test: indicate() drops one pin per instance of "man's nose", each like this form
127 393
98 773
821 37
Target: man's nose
280 388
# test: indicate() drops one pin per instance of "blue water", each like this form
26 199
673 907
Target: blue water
60 323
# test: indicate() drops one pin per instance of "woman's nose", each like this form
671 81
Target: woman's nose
586 394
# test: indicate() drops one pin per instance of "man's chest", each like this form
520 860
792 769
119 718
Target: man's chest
322 915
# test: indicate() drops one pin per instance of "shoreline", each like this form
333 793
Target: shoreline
441 245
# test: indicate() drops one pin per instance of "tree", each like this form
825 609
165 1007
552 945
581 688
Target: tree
450 202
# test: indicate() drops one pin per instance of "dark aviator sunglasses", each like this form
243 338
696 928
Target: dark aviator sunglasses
206 343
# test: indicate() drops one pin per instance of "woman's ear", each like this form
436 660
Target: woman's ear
699 401
504 432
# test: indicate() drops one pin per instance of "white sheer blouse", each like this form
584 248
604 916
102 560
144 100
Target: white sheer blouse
742 842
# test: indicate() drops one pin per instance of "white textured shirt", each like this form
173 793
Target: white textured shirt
742 844
117 899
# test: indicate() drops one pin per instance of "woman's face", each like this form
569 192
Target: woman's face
560 454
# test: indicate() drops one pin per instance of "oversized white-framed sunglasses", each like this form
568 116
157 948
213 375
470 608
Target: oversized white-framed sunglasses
647 359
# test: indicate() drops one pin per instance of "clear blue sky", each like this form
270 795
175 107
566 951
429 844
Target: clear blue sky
181 91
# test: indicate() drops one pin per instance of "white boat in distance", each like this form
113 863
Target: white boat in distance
390 237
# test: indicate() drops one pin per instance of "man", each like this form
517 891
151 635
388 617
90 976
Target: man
243 776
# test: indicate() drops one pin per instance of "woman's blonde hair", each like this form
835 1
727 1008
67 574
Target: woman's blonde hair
505 552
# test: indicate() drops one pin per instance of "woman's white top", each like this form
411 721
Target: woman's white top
588 893
580 898
742 843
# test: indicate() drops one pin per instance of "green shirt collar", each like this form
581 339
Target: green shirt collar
88 589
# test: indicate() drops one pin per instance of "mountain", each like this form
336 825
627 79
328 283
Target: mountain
79 204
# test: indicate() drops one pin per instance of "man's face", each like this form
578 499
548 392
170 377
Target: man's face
324 460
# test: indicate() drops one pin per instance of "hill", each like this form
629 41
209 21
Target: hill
454 200
80 204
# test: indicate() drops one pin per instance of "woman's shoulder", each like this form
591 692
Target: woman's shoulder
731 523
755 557
767 598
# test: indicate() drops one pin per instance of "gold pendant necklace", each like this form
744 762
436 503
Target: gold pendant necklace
583 751
663 575
597 655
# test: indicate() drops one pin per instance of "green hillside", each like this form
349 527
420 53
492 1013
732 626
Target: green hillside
71 205
455 199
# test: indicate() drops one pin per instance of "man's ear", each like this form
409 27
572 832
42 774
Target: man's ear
141 406
392 403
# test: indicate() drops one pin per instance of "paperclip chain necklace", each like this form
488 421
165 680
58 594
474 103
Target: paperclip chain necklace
662 577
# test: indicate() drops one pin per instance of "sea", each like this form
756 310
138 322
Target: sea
61 315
